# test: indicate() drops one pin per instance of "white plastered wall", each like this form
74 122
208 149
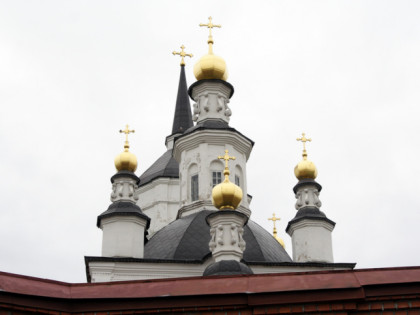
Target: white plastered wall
159 200
202 149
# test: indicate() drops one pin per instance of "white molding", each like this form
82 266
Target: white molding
212 137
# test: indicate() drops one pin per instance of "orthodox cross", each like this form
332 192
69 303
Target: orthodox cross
182 53
304 140
126 131
274 219
226 157
210 25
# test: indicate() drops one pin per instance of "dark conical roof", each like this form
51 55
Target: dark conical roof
166 166
182 117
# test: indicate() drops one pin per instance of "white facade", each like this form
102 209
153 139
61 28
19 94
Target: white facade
159 200
123 236
311 241
197 154
102 271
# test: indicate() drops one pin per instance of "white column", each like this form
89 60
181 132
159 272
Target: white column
226 229
310 229
123 224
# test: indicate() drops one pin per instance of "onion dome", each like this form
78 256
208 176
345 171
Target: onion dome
210 66
305 169
126 161
226 195
278 239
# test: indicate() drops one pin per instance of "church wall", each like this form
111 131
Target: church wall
159 200
203 152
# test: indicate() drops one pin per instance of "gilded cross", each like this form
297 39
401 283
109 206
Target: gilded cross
226 157
127 131
182 53
210 25
274 219
304 140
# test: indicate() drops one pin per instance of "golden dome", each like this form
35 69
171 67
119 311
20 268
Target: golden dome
305 168
278 239
126 161
210 66
226 195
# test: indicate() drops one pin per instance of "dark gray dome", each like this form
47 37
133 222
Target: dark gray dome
188 239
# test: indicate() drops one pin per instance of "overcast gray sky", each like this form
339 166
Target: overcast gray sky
72 73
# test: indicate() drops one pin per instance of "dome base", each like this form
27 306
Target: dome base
227 267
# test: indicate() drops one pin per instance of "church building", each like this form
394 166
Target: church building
161 224
180 238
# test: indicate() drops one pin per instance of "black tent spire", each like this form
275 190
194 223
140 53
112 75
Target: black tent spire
182 117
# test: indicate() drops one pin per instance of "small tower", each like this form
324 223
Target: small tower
226 228
124 225
310 229
196 150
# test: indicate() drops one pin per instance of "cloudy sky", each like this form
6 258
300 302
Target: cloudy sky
72 73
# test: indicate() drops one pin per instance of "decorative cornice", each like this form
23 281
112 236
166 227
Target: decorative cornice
212 137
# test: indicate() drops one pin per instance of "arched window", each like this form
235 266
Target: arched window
216 169
238 176
193 176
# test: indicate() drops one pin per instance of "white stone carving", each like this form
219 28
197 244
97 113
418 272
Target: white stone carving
196 109
227 229
123 189
211 99
307 195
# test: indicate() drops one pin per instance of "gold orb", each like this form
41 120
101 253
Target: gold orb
306 170
226 195
278 239
211 67
126 161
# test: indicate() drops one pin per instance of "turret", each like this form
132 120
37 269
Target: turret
226 228
310 229
196 149
123 224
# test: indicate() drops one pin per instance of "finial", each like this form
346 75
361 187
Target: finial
126 131
304 140
226 157
126 161
210 25
274 219
226 195
182 53
305 168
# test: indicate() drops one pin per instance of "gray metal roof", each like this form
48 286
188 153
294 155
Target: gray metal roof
165 166
188 238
